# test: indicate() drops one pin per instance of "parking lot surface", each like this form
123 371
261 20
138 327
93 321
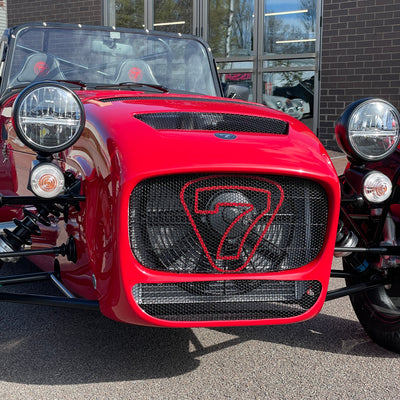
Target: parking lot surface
52 353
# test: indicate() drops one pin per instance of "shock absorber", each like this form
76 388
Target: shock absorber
389 239
346 238
21 235
14 240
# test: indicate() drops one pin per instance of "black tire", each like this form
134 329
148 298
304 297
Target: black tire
378 311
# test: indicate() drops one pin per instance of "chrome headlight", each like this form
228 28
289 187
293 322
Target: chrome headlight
369 130
48 117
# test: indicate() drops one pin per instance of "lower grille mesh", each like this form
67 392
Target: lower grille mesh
226 300
227 223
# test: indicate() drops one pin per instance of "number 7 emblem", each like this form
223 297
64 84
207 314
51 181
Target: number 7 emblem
237 216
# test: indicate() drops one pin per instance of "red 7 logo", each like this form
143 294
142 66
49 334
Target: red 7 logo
135 74
244 213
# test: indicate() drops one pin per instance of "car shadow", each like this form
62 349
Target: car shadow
56 346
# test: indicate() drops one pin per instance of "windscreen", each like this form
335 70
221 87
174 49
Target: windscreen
108 57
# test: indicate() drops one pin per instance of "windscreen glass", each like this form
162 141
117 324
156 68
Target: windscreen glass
102 57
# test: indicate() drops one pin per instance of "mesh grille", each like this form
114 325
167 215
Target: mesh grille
214 122
227 223
227 300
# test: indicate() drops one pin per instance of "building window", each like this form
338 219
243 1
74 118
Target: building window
129 13
269 46
173 15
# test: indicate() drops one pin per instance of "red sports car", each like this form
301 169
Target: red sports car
137 187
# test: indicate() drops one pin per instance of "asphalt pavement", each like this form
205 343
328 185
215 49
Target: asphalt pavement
54 353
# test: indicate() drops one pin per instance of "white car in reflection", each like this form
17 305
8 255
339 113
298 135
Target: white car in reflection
296 108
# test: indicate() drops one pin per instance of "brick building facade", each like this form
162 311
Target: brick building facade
360 57
88 12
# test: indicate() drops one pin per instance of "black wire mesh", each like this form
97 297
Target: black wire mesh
214 122
227 223
227 300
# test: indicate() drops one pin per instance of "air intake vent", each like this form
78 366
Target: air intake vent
226 300
214 122
227 223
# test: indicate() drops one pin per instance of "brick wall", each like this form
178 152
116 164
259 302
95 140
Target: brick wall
360 57
88 12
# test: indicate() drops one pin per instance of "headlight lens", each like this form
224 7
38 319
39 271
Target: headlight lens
369 130
49 117
47 180
377 187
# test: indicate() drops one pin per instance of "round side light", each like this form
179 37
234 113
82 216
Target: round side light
47 180
377 187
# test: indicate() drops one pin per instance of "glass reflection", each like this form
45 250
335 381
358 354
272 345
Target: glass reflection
173 16
231 27
129 13
290 92
241 81
308 63
289 26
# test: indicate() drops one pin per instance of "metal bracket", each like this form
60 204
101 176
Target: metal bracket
56 301
388 250
68 249
356 288
70 301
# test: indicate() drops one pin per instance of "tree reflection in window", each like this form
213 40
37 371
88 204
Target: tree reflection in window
289 27
231 27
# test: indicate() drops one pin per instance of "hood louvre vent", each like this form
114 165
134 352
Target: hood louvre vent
214 122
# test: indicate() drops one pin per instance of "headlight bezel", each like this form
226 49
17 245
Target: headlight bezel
60 90
346 141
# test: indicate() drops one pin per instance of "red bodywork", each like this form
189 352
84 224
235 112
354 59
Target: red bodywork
117 151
